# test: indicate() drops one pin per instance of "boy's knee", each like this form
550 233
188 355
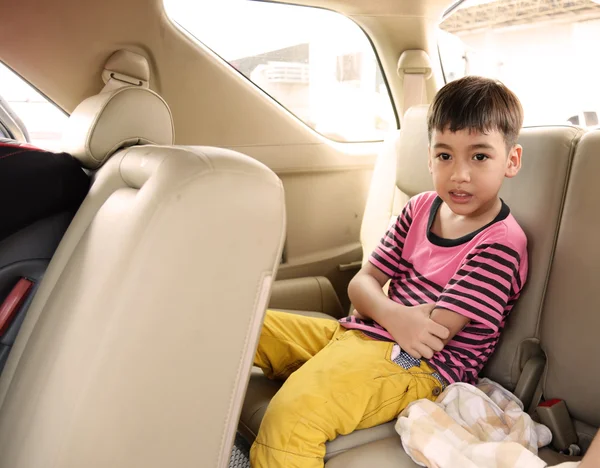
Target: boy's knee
281 408
286 409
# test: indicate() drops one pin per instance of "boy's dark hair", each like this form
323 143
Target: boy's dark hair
476 103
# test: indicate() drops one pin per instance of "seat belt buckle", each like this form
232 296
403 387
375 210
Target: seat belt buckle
555 415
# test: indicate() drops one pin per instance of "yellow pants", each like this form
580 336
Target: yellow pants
337 381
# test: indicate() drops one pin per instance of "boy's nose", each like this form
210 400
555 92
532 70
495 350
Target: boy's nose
460 173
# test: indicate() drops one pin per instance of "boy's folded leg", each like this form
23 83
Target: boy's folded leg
289 340
351 384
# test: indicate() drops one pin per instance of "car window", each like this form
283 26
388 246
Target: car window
43 120
318 64
545 51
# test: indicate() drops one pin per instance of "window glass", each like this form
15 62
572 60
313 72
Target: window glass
318 64
545 51
44 121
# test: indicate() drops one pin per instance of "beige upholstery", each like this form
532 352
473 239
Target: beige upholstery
535 198
401 163
384 453
570 321
388 453
138 345
127 116
384 200
313 293
412 173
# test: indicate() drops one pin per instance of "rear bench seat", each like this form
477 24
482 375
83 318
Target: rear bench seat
569 321
535 197
110 366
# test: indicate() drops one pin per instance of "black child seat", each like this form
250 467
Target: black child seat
40 192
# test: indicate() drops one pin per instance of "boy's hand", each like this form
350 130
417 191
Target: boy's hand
414 330
356 314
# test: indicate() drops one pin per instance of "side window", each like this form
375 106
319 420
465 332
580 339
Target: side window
545 53
318 64
42 119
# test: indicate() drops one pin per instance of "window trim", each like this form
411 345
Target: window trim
11 124
451 9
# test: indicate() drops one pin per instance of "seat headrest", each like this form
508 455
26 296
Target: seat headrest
111 120
412 172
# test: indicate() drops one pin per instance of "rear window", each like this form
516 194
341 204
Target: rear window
545 51
316 63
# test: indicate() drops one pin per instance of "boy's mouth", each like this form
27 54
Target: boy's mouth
460 196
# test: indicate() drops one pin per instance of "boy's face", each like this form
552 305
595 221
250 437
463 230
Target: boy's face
468 168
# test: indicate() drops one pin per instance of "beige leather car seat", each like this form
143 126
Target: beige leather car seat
535 197
137 348
570 320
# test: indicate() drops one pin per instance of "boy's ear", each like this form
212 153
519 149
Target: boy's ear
513 163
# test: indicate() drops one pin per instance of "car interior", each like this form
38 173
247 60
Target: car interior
242 154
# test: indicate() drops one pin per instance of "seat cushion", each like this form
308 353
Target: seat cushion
389 453
384 453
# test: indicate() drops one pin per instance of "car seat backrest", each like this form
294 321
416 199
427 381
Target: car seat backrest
138 345
570 321
385 199
535 198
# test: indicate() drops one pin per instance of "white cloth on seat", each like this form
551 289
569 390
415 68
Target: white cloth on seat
468 426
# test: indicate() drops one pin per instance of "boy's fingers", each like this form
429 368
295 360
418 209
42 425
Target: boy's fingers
434 343
438 330
424 350
413 353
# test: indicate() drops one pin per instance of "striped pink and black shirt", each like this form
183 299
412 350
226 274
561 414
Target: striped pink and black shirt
479 276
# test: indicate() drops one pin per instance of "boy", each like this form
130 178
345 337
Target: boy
457 261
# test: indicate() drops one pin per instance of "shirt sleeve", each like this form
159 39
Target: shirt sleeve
483 286
387 254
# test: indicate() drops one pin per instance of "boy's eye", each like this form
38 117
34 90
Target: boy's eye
444 156
480 157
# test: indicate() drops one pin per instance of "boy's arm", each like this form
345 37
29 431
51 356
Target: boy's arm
366 291
481 289
451 320
411 327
